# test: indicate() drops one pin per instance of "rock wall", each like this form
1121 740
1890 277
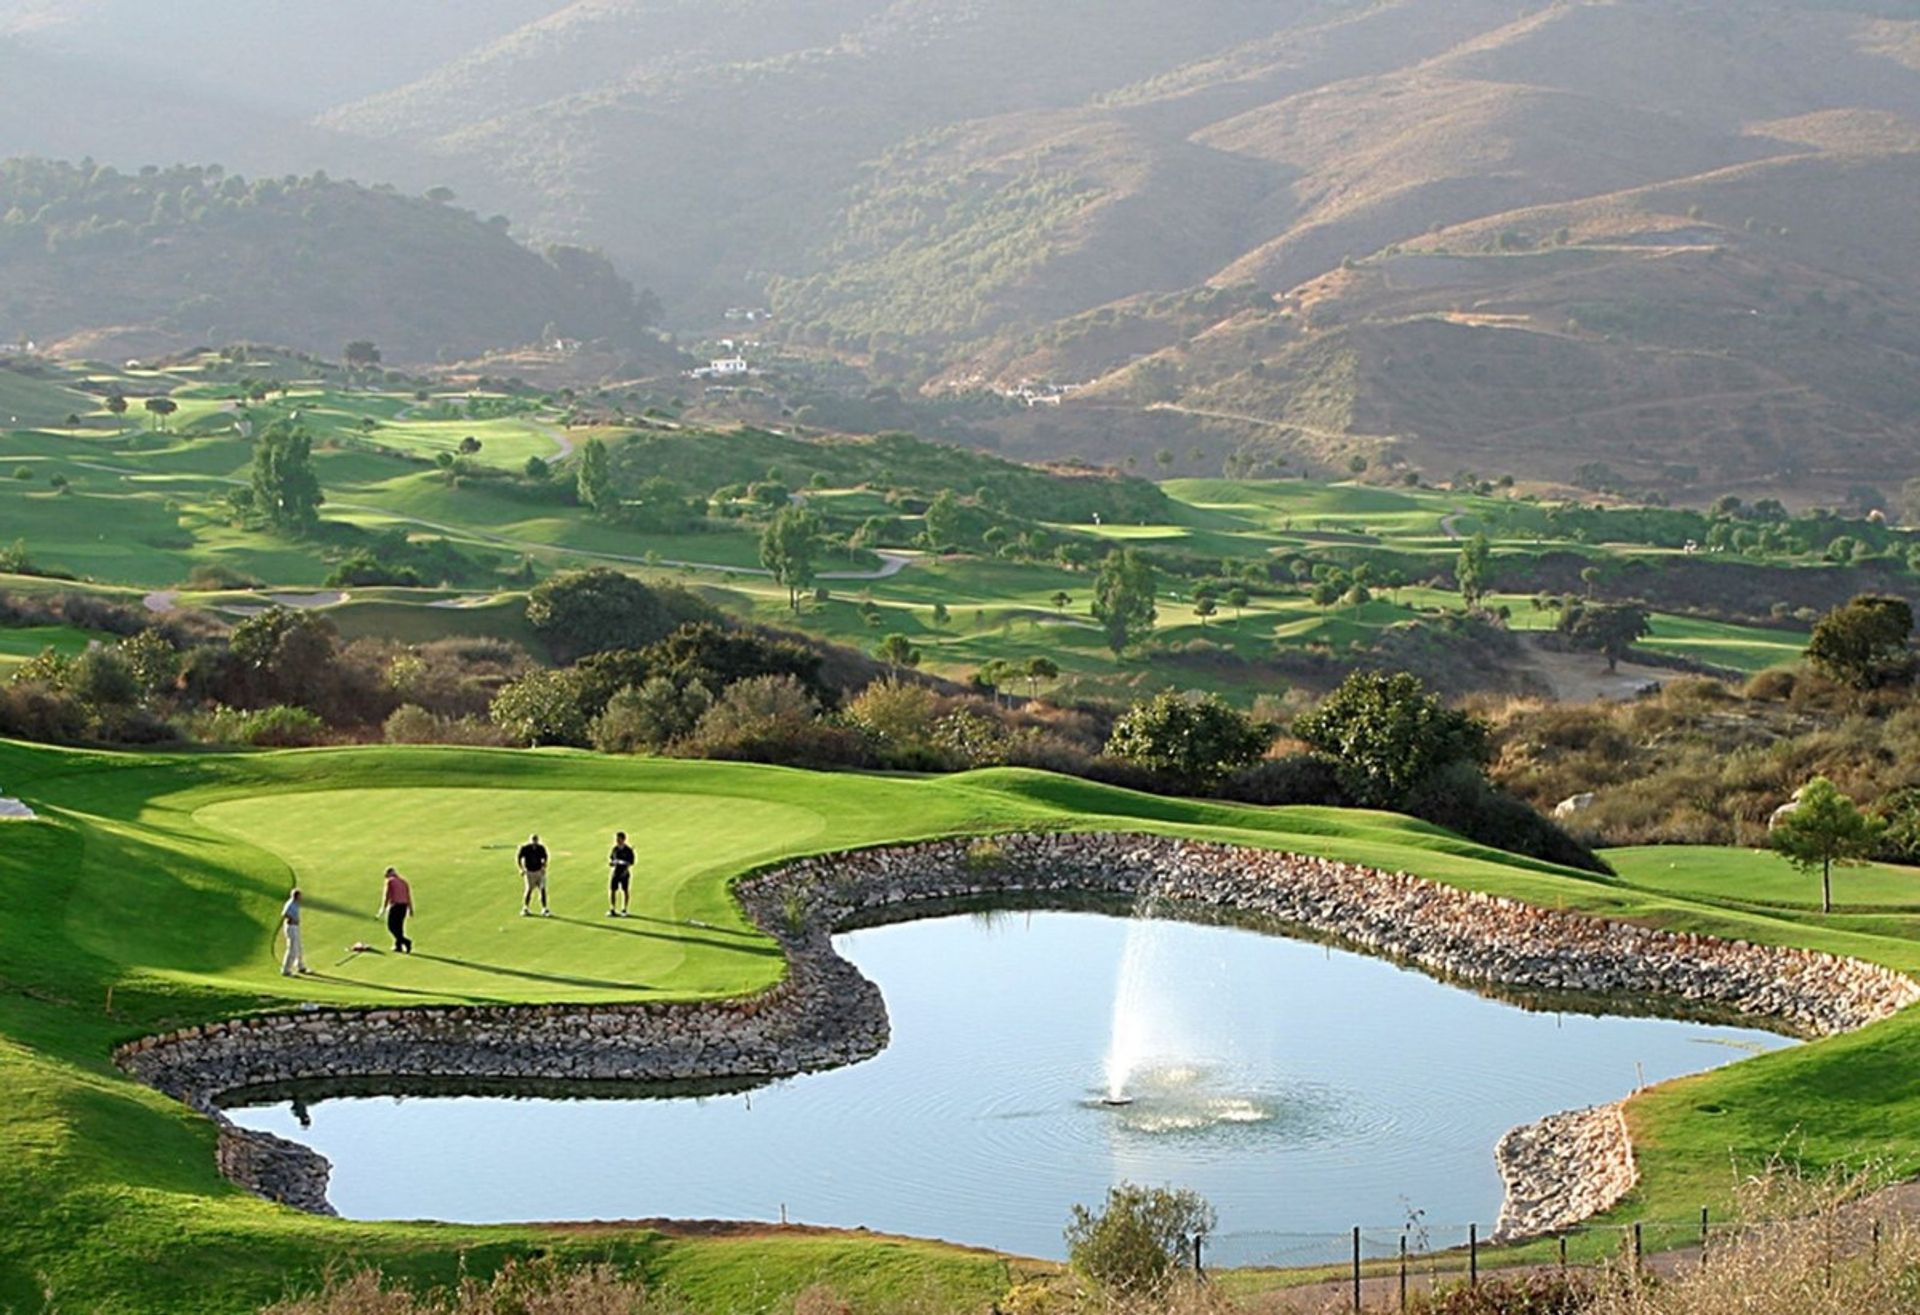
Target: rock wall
824 1013
1562 1169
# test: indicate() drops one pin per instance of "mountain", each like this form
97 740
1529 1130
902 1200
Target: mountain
173 257
1648 244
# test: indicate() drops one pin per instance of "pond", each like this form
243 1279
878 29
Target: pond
1302 1089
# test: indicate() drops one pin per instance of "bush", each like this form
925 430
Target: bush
1460 798
647 718
541 708
1188 738
1133 1245
1388 734
582 612
1531 1294
275 727
412 724
1297 778
772 719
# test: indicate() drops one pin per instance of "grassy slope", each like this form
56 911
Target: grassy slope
158 878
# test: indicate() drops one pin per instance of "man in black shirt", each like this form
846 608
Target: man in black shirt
533 868
620 876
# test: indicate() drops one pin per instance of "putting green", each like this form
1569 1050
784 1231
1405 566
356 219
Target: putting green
456 848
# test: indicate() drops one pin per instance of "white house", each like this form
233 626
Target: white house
729 365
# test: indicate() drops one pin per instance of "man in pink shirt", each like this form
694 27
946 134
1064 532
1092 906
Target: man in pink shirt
397 902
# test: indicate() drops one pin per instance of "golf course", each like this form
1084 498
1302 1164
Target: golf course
145 894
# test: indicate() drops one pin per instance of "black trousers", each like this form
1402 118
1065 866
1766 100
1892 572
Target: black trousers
397 924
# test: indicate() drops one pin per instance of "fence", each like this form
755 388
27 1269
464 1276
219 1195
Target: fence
1382 1268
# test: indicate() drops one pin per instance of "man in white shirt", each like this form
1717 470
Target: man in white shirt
296 959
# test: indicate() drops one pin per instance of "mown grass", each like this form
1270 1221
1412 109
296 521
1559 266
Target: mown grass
147 895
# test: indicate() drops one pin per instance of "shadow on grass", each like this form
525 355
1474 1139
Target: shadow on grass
768 951
531 976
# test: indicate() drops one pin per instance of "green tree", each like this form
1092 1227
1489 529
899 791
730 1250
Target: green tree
594 481
160 408
541 708
648 717
285 488
897 651
1824 828
946 525
1204 606
1036 670
1474 570
537 469
1061 600
152 659
1194 738
787 549
117 405
1237 599
1609 629
941 615
578 613
1133 1244
1864 643
1387 734
359 355
1123 598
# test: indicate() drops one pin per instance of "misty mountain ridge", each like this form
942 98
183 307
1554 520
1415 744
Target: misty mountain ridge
1426 233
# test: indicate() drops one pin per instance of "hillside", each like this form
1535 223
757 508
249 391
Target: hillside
194 255
1439 234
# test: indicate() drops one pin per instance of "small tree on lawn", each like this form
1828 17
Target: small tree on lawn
1123 598
1824 828
1133 1244
1061 600
117 406
1474 571
594 481
285 488
160 408
1204 606
1237 599
787 549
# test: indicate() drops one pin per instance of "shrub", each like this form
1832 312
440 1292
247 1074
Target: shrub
542 707
1192 739
1297 778
274 727
595 611
1531 1294
645 718
1388 733
773 719
895 713
412 724
1460 799
1132 1245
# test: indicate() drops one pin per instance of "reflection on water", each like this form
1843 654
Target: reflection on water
1321 1089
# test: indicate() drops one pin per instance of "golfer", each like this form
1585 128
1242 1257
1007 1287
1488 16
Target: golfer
296 959
619 876
533 867
396 902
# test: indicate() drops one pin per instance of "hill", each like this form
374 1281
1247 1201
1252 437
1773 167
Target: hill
1437 234
195 255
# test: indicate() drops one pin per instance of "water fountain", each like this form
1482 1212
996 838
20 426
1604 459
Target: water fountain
1165 1048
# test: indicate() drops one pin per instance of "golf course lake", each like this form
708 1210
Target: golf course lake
1300 1089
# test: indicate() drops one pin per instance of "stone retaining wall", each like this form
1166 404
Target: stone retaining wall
1565 1168
825 1013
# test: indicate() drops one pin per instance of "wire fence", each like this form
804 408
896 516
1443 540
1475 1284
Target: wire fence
1385 1268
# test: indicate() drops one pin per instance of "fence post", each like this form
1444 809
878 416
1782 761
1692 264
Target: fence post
1473 1255
1705 1237
1563 1251
1197 1272
1639 1246
1403 1268
1876 1245
1356 1267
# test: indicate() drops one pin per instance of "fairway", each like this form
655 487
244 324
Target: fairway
1762 877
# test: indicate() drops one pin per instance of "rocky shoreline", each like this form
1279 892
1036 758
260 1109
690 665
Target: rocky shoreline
824 1013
